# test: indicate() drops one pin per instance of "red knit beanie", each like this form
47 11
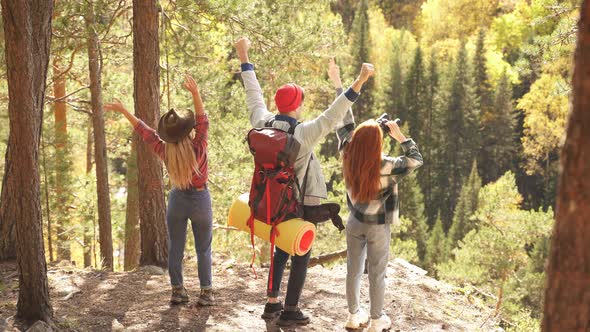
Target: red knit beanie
288 97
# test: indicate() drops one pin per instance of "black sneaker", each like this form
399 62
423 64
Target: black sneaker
272 310
179 295
289 318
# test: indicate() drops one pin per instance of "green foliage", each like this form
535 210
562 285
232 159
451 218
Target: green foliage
497 255
458 133
466 207
454 74
360 50
436 246
412 202
416 96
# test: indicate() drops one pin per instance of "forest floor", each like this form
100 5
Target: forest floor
90 300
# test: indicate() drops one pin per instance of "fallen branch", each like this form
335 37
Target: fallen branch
327 258
226 228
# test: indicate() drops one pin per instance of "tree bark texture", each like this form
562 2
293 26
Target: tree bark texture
146 79
27 30
567 294
132 232
105 237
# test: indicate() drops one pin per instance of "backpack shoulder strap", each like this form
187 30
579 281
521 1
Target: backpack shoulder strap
291 129
305 179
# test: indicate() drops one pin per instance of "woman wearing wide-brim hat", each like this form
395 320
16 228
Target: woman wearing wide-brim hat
181 142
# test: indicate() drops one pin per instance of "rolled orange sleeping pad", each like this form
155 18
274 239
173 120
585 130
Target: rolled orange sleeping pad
295 237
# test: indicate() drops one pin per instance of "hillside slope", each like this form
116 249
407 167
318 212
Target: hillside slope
138 301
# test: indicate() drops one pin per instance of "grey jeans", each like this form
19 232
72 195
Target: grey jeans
366 241
196 206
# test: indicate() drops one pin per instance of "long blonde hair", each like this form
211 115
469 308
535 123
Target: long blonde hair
181 162
362 162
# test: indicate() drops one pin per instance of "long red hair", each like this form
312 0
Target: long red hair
362 162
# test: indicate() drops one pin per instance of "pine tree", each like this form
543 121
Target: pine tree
416 96
360 49
412 202
499 133
452 140
394 102
483 90
436 252
466 206
426 180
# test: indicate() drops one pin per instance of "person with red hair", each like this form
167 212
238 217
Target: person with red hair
371 191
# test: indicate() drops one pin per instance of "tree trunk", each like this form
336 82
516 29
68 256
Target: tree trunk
88 243
27 31
7 225
61 166
47 207
567 296
146 54
132 233
105 238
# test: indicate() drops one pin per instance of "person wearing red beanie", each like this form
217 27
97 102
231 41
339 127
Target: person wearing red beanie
289 101
288 97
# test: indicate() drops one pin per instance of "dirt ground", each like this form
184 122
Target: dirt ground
87 300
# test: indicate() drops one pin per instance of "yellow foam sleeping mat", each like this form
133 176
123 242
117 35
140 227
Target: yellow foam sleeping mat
295 237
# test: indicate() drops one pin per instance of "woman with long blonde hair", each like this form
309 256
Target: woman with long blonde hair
181 142
371 191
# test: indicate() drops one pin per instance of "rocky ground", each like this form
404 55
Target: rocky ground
88 300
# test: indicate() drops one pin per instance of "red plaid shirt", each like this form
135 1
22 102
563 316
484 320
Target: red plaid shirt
151 138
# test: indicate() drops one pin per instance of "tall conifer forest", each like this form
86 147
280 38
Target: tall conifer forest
482 86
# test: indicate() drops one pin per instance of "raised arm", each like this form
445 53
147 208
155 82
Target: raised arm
259 113
314 130
345 129
412 159
147 134
201 120
117 106
191 86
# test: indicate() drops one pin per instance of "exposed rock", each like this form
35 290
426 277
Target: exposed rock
116 326
153 270
40 326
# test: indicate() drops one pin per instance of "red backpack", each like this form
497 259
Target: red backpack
275 191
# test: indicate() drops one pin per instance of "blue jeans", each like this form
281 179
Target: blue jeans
372 242
196 206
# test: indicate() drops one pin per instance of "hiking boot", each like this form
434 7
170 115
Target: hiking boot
272 310
289 318
357 320
378 325
179 295
206 297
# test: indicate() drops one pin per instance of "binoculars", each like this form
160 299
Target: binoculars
382 121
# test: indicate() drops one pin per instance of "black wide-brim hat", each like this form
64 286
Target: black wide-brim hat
173 126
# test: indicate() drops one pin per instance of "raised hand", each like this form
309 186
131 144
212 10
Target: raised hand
334 73
190 84
367 70
242 46
115 106
395 132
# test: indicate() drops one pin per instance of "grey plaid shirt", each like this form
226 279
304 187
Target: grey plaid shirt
384 209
